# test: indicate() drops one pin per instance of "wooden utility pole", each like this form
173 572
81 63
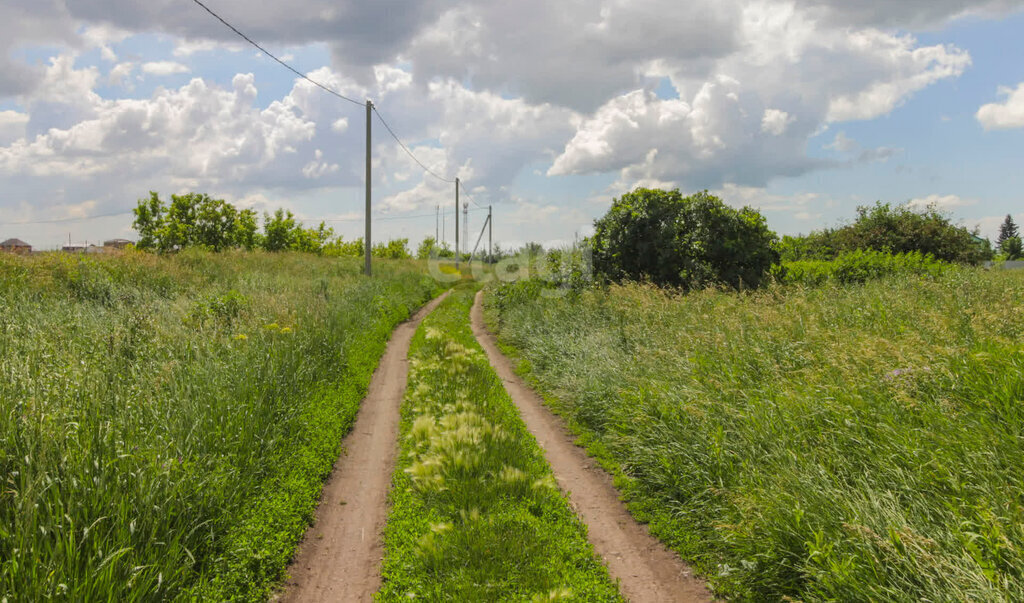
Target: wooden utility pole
366 240
456 223
490 231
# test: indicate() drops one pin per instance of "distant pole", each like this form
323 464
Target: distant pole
366 240
490 229
456 223
437 224
465 223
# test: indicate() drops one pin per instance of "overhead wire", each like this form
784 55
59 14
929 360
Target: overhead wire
406 149
380 217
373 106
470 197
315 83
61 220
271 55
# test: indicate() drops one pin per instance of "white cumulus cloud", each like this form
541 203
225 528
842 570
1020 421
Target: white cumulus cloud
775 121
1004 115
164 68
941 202
12 126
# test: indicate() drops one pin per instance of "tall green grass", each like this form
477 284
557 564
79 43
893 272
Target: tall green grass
475 512
166 422
855 443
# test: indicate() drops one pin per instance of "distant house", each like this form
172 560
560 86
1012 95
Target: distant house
74 248
15 246
117 243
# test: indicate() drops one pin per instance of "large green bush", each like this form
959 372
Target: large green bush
689 242
891 229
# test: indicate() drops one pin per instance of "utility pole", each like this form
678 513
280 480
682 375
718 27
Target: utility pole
366 240
465 223
490 230
456 223
437 224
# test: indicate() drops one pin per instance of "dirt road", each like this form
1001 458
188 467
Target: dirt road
339 558
647 570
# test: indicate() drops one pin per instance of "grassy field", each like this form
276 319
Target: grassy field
476 514
857 442
166 422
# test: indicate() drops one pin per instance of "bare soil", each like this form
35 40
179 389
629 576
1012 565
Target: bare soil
646 569
340 556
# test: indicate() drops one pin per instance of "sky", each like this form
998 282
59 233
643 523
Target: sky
547 111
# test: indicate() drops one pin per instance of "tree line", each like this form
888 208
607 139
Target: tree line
198 220
697 241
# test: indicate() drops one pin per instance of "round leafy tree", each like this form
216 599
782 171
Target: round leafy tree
690 242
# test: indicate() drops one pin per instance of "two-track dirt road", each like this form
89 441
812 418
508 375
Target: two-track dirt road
339 559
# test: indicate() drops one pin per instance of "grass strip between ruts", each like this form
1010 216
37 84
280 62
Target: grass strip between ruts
475 511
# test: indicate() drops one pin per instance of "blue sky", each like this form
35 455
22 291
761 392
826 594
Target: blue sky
804 109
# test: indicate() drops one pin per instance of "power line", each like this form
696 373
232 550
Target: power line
337 94
61 220
381 217
468 196
315 83
129 212
269 54
406 149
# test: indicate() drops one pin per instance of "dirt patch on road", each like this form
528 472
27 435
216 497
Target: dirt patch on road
339 558
647 570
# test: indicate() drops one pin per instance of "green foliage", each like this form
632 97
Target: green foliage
164 448
340 248
284 232
246 230
196 220
891 229
395 249
475 512
279 230
192 220
222 309
1011 248
429 248
1007 230
312 240
859 267
148 221
826 443
689 242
